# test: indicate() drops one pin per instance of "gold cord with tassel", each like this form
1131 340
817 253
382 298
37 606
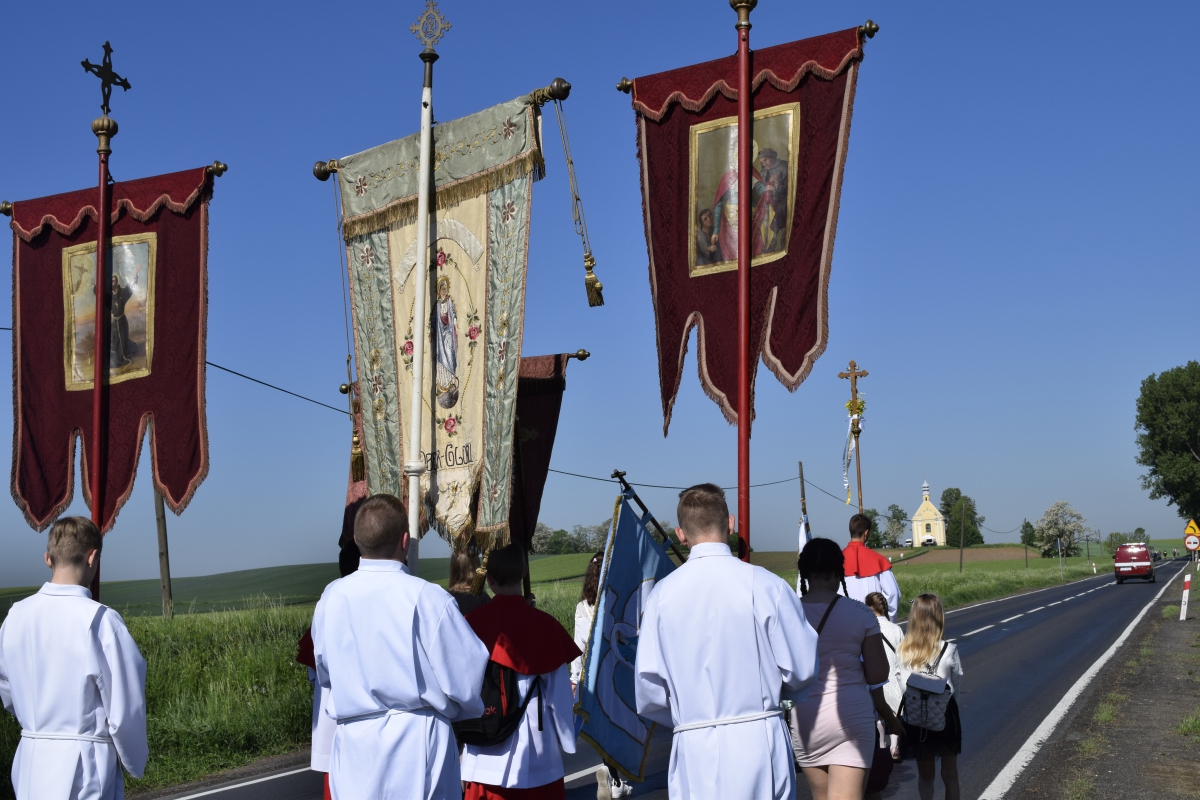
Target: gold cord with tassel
595 289
480 575
358 462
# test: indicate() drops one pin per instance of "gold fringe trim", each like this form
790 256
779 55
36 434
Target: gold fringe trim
405 209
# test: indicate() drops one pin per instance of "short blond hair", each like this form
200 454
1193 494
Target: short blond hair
71 539
379 524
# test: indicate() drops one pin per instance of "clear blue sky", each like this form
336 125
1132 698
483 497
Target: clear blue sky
1014 254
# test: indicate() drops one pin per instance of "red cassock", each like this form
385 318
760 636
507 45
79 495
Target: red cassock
803 96
863 562
158 319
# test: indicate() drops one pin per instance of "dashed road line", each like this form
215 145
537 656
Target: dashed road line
1039 608
1010 619
1056 602
977 630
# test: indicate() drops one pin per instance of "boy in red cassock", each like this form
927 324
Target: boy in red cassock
528 764
866 570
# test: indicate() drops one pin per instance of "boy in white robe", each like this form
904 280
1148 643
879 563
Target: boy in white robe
528 765
397 664
75 680
721 644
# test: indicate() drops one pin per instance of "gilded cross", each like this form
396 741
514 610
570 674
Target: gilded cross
854 374
430 26
108 78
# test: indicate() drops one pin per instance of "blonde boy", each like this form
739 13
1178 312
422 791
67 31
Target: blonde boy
75 680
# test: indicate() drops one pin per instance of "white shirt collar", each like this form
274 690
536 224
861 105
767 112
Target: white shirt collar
382 565
65 590
705 549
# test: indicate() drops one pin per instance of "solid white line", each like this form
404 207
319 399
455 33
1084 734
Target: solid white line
240 785
1010 619
1017 764
977 630
583 773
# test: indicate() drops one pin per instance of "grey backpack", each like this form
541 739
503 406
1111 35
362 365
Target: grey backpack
926 697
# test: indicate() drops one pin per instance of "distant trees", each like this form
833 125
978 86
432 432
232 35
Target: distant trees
1116 539
1168 437
874 538
581 538
962 518
1060 523
895 524
1028 534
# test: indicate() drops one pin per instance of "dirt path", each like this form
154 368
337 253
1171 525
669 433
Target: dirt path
1124 739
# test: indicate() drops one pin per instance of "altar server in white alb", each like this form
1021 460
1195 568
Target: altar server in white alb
399 664
866 570
721 644
75 680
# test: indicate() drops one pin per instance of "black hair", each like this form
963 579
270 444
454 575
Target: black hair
821 557
591 580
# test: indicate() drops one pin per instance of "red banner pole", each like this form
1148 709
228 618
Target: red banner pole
105 128
745 239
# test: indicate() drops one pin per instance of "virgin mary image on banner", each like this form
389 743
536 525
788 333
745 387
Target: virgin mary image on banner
445 326
714 188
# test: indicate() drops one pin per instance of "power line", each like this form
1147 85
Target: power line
276 388
681 488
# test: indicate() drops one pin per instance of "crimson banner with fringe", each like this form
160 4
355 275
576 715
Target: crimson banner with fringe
687 146
157 314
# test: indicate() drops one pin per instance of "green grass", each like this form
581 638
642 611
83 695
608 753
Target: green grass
1190 726
1170 612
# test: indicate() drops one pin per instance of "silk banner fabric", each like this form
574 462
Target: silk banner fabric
633 563
687 146
539 401
484 167
158 318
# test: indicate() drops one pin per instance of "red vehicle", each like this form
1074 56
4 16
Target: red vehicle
1133 560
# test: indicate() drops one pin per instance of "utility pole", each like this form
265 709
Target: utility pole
962 529
1025 543
1060 566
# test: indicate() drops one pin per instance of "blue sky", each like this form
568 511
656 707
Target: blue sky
1014 254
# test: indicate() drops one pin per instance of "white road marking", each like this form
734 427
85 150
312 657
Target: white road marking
245 783
977 630
1039 608
583 773
1010 619
1016 765
1056 602
1026 594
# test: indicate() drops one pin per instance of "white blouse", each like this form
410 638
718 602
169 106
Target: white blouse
949 668
583 627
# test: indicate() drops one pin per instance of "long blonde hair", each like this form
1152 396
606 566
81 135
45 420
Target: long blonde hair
926 622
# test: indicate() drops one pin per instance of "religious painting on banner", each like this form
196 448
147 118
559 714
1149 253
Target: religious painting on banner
803 95
483 172
633 564
157 318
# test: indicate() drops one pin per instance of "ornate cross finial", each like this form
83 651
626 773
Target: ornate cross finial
430 26
854 374
108 78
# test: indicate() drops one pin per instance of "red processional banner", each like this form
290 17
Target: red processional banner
158 314
803 96
540 387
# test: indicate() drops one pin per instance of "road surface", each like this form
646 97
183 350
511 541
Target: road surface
1020 656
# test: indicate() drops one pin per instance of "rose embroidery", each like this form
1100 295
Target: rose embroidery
450 424
473 332
508 212
441 258
408 348
508 129
366 256
360 186
377 383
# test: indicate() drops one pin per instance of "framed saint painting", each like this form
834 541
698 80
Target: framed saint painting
713 189
131 310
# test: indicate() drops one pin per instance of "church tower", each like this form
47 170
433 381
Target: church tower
928 524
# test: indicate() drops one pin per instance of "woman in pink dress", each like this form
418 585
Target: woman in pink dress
833 731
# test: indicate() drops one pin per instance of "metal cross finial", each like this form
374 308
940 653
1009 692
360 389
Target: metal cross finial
108 78
854 374
430 26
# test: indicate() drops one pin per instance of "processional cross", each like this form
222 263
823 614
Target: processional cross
854 374
108 78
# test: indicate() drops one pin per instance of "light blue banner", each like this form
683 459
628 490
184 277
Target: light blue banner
633 563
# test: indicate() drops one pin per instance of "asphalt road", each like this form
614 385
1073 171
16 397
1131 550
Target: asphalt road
1020 656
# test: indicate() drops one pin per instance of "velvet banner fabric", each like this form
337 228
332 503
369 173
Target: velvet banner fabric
158 319
803 96
540 390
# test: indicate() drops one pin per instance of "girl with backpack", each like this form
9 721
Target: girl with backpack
931 672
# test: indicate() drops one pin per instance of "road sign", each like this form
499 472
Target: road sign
1191 542
1192 528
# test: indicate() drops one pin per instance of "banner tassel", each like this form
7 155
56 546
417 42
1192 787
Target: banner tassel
358 463
595 289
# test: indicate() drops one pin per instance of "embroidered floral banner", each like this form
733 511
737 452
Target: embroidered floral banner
803 95
484 167
157 319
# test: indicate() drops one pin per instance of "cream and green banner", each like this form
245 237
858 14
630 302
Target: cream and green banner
484 166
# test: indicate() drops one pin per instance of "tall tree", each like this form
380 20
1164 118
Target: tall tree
895 525
1028 534
961 517
1168 438
875 537
1060 523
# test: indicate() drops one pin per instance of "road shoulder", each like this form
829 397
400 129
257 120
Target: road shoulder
1123 739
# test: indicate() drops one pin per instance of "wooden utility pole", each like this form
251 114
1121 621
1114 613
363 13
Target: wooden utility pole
962 529
854 374
164 560
1025 543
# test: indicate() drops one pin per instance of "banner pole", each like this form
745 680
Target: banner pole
745 239
105 128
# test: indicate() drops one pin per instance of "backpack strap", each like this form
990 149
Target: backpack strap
832 603
939 658
889 644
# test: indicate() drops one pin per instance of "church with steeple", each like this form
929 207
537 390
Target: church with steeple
929 526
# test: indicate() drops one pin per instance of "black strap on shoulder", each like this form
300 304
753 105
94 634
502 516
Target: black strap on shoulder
934 666
889 644
832 603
